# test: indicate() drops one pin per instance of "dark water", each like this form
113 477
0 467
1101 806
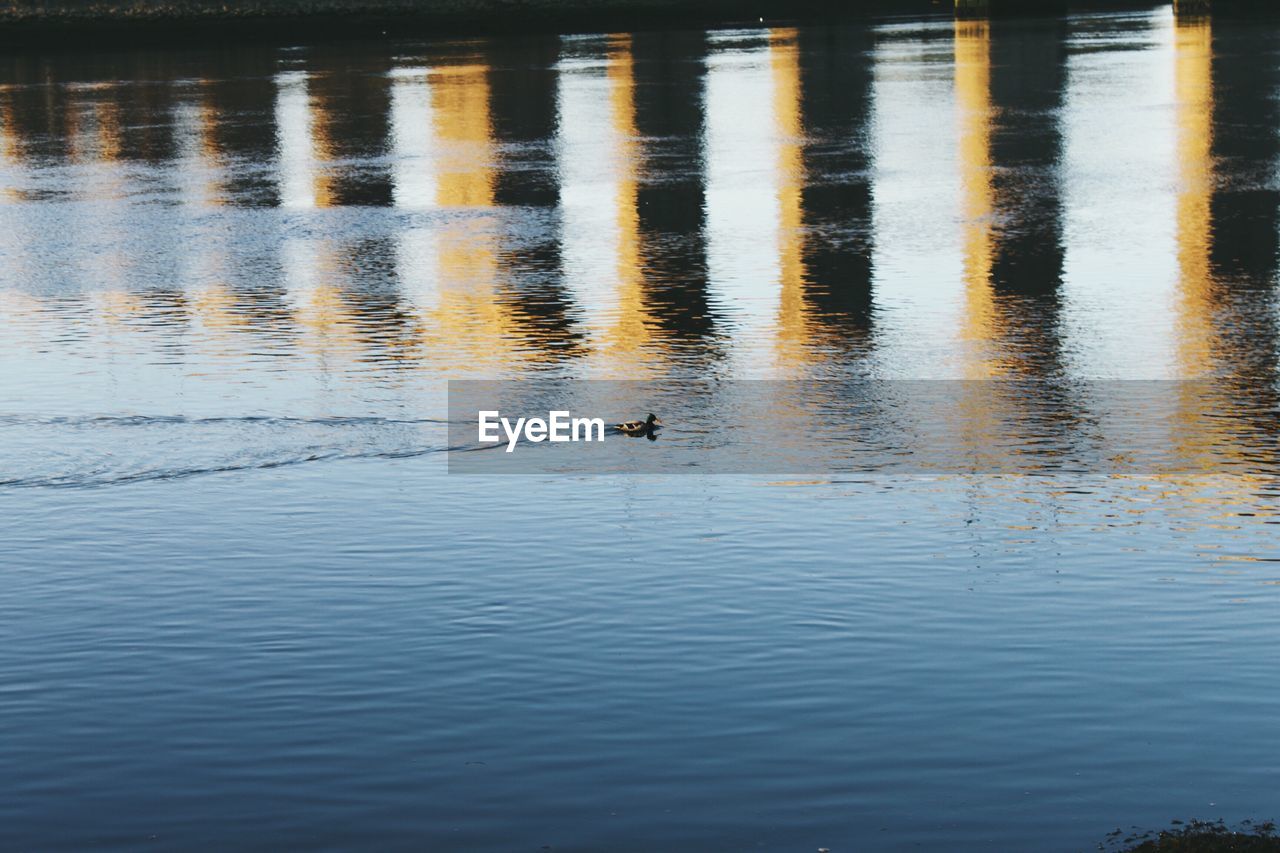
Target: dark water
244 605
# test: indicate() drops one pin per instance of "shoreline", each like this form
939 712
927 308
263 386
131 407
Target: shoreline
204 21
84 23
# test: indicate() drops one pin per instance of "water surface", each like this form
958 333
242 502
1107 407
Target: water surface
245 605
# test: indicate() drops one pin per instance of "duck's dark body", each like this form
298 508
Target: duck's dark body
645 427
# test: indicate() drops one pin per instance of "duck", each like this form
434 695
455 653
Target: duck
644 427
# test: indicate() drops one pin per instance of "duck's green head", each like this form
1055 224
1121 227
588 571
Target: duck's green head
653 419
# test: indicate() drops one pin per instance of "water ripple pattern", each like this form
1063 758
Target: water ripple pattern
246 604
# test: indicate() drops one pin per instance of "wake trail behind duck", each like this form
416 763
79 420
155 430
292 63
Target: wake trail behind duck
70 452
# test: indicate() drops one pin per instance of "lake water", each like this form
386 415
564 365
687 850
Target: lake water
245 604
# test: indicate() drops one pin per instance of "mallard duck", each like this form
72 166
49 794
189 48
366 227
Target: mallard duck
639 427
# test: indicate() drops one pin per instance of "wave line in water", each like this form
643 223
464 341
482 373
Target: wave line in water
80 452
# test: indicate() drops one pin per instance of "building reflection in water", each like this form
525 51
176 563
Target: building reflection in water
789 199
1009 91
11 178
747 81
973 98
1245 205
792 320
297 158
307 263
224 130
727 203
835 191
671 107
790 207
414 186
19 239
351 92
453 263
413 174
198 159
464 314
349 98
240 98
523 80
1193 81
630 155
598 160
1228 244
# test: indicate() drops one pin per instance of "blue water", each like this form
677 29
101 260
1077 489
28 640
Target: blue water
370 654
245 605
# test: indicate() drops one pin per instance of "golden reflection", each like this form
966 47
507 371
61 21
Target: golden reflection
630 331
1198 439
1193 76
460 100
107 121
77 145
312 268
322 148
793 323
214 306
210 154
118 306
468 318
91 129
10 148
973 98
